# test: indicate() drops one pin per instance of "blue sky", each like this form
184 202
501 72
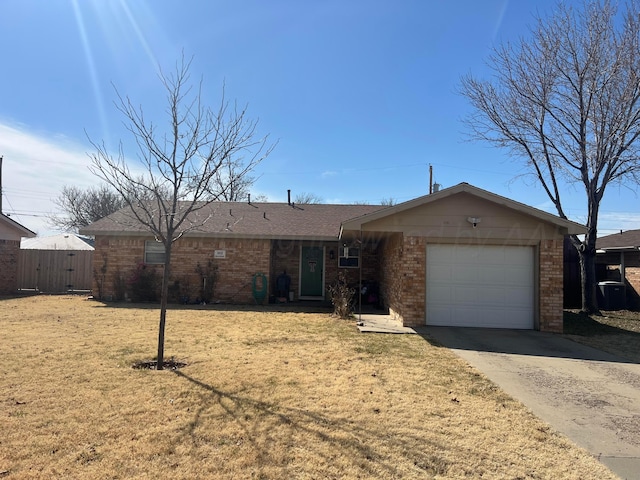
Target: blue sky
360 94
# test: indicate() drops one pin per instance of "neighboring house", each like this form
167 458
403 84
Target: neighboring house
462 256
56 264
618 260
10 234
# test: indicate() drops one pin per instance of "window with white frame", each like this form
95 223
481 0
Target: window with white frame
349 257
154 253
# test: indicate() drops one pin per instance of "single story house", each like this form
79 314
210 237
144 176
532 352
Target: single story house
11 232
618 260
461 256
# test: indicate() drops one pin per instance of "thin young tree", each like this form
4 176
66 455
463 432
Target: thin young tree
169 189
81 207
565 102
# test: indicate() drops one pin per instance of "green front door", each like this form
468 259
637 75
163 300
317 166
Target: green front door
311 272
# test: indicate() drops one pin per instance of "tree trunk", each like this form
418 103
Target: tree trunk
587 251
164 294
588 278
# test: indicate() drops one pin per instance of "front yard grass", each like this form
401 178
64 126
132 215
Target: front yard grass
616 332
266 395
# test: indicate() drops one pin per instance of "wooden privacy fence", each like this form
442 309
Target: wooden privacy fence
55 271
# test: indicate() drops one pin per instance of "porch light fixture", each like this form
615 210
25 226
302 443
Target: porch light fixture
474 221
332 254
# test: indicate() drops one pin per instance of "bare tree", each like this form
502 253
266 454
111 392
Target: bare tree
83 207
304 198
388 202
169 190
233 187
566 102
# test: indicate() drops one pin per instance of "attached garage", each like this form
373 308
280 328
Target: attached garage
467 257
480 286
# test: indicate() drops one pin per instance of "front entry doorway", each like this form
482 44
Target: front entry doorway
312 273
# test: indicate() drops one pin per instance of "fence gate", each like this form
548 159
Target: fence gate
55 271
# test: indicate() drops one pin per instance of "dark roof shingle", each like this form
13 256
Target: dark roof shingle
241 219
630 238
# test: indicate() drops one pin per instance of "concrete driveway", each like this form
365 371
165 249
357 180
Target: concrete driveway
590 396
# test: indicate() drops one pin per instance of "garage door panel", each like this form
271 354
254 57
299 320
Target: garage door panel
440 271
470 272
440 294
518 297
481 286
468 316
491 275
518 276
490 295
463 295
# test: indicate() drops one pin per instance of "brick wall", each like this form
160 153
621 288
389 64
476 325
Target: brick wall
551 285
9 251
243 258
285 257
391 275
403 278
609 269
414 278
632 278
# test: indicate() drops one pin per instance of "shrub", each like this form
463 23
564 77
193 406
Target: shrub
99 276
180 291
341 296
208 276
119 286
144 284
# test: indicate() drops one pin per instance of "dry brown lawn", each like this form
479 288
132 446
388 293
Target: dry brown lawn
616 332
265 395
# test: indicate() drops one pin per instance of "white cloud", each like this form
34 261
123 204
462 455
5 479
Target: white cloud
329 173
612 222
35 168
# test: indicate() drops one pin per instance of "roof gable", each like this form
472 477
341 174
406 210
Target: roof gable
369 221
12 230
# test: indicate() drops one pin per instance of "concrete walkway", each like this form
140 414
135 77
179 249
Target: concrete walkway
590 396
380 323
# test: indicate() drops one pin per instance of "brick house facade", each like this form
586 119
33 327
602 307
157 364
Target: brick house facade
9 251
618 260
381 251
10 234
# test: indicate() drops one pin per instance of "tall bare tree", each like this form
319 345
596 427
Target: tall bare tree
169 189
83 207
565 101
233 187
305 198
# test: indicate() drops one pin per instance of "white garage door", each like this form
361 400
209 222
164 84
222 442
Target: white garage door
480 286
